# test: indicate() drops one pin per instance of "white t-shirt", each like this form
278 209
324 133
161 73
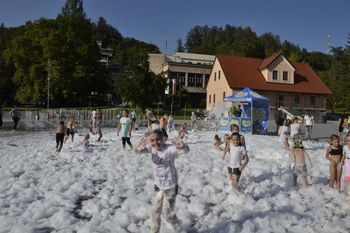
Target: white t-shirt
125 123
294 128
165 174
308 120
93 113
236 156
284 132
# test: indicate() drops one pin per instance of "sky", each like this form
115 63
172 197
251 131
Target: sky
304 23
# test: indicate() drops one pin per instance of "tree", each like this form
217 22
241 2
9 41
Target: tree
73 7
138 85
180 47
270 42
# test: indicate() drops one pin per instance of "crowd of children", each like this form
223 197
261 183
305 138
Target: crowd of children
232 146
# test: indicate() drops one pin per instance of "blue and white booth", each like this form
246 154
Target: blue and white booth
255 112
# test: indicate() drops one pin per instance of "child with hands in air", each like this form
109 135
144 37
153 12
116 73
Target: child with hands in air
165 176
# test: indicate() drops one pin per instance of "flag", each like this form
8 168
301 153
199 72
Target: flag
174 86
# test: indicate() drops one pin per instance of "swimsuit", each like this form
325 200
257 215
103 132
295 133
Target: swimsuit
338 151
300 170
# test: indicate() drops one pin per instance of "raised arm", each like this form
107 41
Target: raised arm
181 147
227 148
141 146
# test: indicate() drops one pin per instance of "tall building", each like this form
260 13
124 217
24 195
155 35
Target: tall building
191 72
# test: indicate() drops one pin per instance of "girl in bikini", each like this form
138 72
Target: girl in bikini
334 153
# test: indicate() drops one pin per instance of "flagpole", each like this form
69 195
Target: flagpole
172 96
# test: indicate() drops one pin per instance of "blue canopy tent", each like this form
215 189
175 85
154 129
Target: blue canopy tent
255 112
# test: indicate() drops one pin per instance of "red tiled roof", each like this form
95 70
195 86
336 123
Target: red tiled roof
243 72
267 61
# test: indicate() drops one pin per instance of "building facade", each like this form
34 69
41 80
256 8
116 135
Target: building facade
293 86
191 72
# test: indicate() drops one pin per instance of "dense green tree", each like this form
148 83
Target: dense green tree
106 33
180 47
270 42
138 85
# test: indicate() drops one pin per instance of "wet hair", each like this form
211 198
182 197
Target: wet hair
334 137
157 132
234 126
87 136
287 122
297 143
61 122
216 136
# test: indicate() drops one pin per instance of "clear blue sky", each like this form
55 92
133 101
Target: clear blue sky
303 22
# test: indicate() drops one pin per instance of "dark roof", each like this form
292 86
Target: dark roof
243 72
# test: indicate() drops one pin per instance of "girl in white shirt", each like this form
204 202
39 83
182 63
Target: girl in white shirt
284 134
294 127
165 177
237 160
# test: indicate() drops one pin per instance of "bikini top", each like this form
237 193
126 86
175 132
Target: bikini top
338 151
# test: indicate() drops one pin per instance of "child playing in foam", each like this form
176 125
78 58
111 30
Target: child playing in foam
299 168
85 143
165 177
238 160
217 142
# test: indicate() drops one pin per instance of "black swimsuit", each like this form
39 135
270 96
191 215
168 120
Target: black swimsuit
338 151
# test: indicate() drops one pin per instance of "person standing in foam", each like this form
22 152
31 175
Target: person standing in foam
165 177
237 161
125 125
334 154
284 134
299 167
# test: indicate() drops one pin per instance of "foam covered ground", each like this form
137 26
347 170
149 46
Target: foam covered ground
108 189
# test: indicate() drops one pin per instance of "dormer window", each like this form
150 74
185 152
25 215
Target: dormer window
285 75
274 75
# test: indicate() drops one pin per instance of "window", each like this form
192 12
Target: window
285 75
214 98
280 100
223 95
209 99
214 76
219 74
296 99
312 100
274 75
